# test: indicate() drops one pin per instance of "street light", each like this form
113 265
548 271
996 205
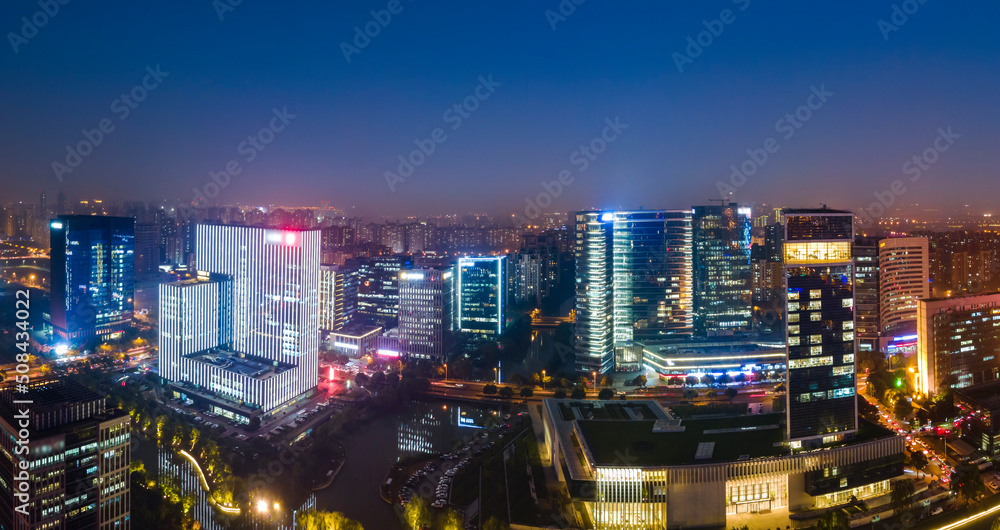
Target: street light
543 379
595 380
445 371
496 375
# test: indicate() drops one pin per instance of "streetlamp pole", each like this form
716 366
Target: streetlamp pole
445 371
543 379
595 380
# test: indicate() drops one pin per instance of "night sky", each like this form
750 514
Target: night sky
353 119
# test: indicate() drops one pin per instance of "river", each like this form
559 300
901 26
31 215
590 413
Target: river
372 449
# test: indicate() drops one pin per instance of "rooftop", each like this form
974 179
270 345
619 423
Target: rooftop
248 366
700 441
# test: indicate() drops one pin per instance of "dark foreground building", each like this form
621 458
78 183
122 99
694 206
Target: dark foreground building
64 459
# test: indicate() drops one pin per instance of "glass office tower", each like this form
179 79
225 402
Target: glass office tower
723 291
482 294
819 282
92 275
634 267
426 313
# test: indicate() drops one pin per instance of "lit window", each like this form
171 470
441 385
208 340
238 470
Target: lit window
849 358
815 293
815 317
793 295
793 306
815 350
815 305
848 336
848 302
815 339
794 317
793 330
848 324
793 341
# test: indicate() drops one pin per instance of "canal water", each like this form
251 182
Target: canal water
417 430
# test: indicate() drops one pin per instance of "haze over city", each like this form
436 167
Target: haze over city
576 264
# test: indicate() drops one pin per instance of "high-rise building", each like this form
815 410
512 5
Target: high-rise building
147 248
243 337
64 459
723 293
338 296
92 262
904 278
482 296
819 282
633 282
958 342
426 313
524 271
866 292
378 288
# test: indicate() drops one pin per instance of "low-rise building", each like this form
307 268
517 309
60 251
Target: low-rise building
636 464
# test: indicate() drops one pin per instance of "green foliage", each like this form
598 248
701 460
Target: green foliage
527 392
317 520
965 480
901 496
449 520
579 393
833 520
417 513
606 393
690 393
490 390
506 392
560 393
731 392
496 524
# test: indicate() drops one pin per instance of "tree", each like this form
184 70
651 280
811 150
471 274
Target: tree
607 381
740 378
450 520
606 393
527 392
496 524
780 387
506 392
708 379
579 393
901 496
690 393
490 390
691 380
378 378
833 520
918 460
417 513
724 379
640 380
903 408
361 379
675 381
965 480
560 393
317 520
731 392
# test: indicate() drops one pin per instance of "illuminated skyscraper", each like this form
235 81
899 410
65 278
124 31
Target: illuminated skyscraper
633 282
958 342
74 461
426 313
92 275
904 278
722 276
338 287
819 282
244 336
482 296
378 288
866 292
